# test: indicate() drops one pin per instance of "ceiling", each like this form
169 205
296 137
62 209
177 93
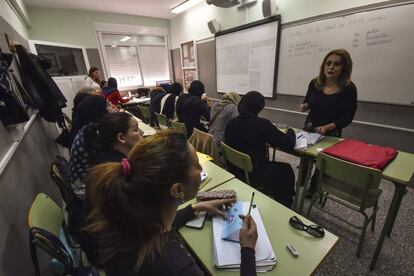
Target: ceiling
152 8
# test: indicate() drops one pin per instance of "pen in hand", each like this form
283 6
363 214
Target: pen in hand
251 204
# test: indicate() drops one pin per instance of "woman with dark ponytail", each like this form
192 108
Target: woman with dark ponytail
134 210
109 140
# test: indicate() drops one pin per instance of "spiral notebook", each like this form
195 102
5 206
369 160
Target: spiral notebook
227 253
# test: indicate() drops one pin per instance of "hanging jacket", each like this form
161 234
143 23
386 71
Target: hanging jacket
34 70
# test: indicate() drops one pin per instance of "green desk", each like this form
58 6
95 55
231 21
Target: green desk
217 174
275 217
400 172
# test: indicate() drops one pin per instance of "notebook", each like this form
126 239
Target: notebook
311 138
227 253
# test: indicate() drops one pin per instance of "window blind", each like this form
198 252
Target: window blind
123 65
154 63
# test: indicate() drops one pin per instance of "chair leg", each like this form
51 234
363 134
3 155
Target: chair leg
362 237
374 216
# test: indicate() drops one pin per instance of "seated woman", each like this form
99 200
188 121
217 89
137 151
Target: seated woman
190 107
249 134
156 94
169 101
134 210
221 113
110 140
111 93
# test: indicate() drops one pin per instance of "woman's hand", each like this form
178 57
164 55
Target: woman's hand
322 130
214 207
303 107
248 233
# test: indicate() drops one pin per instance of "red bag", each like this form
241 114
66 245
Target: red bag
361 153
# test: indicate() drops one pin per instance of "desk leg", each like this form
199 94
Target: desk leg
306 182
400 197
299 181
389 221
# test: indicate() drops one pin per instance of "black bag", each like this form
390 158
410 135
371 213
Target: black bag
12 110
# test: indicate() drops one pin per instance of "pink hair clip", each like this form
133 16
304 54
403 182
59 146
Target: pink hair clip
126 167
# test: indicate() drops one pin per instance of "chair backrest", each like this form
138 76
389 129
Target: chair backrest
162 120
68 121
45 220
46 214
205 143
180 127
59 172
238 159
146 116
345 179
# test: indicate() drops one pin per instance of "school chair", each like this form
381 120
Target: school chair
163 121
48 232
68 121
238 159
146 116
205 143
351 185
180 127
59 172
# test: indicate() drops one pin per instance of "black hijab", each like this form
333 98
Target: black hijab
251 104
90 110
196 88
176 89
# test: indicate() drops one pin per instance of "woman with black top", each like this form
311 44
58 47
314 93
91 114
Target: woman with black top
169 101
134 210
331 97
250 134
191 107
109 140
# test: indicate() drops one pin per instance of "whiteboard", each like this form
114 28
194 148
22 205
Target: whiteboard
246 58
381 44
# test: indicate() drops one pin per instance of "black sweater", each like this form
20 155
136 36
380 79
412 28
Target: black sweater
177 260
250 134
189 111
338 108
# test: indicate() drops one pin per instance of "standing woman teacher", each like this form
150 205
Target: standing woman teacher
331 97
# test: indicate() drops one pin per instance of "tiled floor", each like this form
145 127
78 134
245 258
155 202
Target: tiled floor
397 255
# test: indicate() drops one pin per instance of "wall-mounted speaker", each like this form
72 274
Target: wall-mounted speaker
269 8
213 26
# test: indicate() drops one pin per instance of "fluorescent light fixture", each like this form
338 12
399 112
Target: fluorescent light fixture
125 38
185 6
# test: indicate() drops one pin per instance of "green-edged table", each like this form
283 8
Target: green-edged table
275 217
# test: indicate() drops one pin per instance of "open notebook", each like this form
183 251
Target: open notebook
303 139
227 253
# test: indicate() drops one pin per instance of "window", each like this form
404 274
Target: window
64 61
135 60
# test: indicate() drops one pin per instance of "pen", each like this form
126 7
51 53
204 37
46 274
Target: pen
299 136
251 203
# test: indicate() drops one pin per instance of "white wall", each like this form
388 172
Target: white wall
10 17
192 25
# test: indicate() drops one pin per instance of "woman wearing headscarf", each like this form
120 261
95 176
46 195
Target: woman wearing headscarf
112 94
169 101
190 107
90 110
249 134
221 113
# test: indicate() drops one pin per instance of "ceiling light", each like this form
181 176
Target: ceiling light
185 6
125 38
